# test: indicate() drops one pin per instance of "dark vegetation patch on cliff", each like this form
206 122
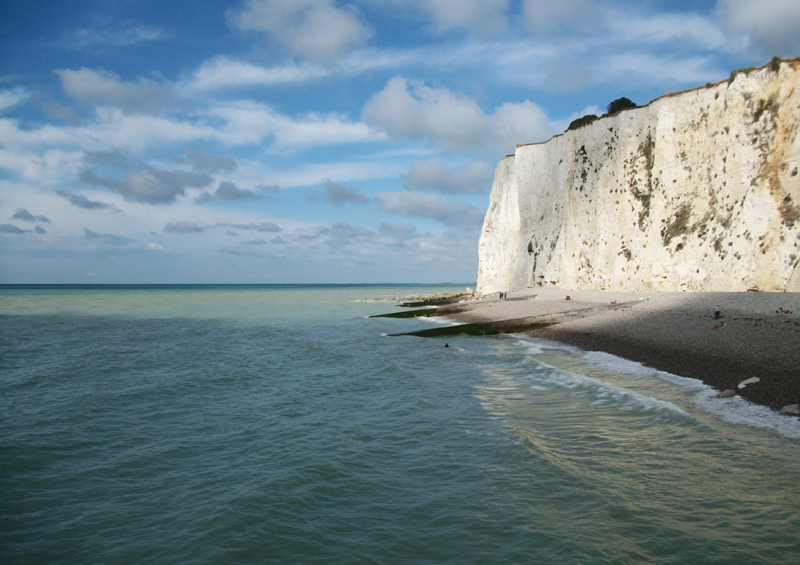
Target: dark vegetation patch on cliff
619 105
678 225
790 212
646 152
581 122
769 105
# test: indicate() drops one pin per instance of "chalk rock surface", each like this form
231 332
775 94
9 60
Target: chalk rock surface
698 190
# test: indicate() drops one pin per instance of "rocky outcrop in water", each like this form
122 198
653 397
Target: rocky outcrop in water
698 190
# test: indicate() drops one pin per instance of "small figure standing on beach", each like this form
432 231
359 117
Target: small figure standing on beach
717 315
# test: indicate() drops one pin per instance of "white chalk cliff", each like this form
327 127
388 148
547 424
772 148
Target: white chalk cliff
698 190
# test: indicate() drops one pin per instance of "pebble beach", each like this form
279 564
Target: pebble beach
751 348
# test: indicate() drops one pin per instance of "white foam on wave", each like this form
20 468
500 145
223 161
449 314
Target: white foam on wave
737 410
604 392
734 410
439 320
622 366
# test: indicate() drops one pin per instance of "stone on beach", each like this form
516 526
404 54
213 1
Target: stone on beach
728 393
670 332
750 381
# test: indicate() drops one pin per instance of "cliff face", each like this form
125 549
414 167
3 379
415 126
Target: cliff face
699 190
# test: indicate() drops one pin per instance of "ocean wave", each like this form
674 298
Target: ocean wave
736 410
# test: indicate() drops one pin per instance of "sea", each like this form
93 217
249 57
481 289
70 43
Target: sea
281 424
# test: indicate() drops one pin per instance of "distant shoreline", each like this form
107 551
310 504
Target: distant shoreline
672 332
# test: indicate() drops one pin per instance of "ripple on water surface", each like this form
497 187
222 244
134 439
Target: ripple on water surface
296 434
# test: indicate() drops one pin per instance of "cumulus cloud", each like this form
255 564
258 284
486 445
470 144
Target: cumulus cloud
106 87
116 158
223 72
548 17
342 233
39 229
80 201
473 177
567 75
277 240
11 228
182 227
211 163
257 241
236 251
228 191
421 205
657 69
482 17
141 182
684 29
314 29
109 238
25 216
49 106
410 110
250 122
772 24
337 194
397 235
261 227
12 97
130 33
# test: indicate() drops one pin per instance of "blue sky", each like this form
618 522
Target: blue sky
312 141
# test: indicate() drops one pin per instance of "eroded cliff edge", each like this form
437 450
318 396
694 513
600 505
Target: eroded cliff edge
698 190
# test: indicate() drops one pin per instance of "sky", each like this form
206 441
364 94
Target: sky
313 141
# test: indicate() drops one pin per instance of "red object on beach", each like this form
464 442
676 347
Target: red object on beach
568 298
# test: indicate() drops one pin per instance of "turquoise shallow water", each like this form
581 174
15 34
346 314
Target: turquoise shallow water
278 425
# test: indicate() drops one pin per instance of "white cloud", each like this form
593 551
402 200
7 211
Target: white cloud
229 125
221 73
421 205
211 163
685 29
250 122
482 17
337 194
473 177
342 233
183 227
773 24
639 67
410 110
12 97
106 87
314 29
140 182
548 17
120 37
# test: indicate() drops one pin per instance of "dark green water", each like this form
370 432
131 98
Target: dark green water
277 425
